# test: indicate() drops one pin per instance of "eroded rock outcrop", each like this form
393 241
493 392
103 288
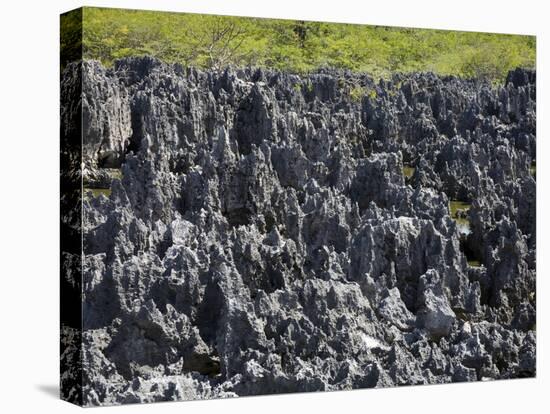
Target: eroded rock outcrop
262 237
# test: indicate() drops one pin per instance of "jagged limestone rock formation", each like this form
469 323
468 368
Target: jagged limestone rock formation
262 237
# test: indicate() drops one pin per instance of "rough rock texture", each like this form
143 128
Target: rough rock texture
263 237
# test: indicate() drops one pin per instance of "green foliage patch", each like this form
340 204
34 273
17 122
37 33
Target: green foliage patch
209 41
71 36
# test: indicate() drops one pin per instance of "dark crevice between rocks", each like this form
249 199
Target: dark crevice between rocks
459 210
270 222
274 279
473 256
207 321
238 217
108 159
164 244
209 313
269 280
204 364
137 132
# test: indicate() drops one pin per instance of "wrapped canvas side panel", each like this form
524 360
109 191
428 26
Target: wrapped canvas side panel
71 207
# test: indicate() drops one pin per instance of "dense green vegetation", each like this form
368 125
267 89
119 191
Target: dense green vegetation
215 41
71 36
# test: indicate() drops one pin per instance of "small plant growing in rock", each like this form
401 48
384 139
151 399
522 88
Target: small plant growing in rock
356 93
372 94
